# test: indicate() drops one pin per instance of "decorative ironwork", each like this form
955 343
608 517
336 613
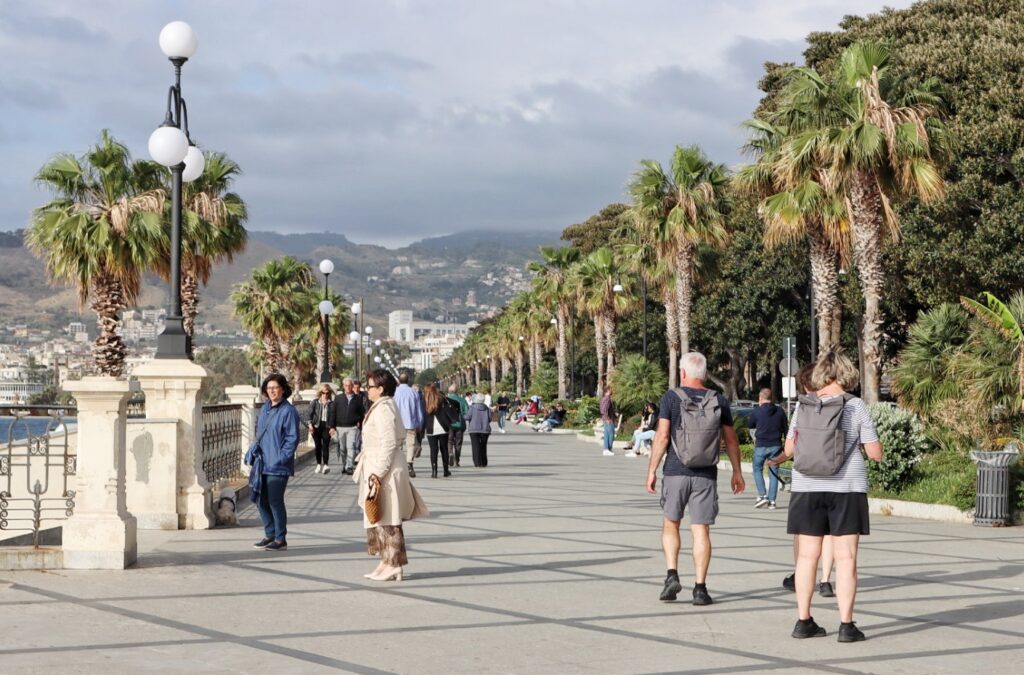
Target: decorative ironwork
222 441
137 406
36 456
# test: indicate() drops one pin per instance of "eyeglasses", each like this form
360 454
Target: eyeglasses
374 386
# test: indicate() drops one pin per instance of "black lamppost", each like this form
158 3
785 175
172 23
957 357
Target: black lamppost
171 146
326 309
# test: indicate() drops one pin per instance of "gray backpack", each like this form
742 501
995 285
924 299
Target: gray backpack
820 440
697 438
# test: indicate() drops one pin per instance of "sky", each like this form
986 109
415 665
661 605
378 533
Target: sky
394 120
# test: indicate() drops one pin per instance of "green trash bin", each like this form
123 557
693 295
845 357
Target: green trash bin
992 506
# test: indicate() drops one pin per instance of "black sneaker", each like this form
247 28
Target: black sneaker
848 632
700 596
412 471
808 629
262 543
789 583
671 589
825 589
276 546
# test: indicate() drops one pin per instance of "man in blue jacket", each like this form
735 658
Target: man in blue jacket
408 403
769 424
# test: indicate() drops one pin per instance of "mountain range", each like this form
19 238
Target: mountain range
432 277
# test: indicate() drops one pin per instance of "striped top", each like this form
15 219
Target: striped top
853 476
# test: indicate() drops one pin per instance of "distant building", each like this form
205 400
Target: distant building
402 327
470 298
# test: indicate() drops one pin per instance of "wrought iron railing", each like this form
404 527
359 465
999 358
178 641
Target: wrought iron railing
34 458
222 441
137 406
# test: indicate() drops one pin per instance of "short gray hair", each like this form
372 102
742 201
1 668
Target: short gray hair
478 398
694 365
347 380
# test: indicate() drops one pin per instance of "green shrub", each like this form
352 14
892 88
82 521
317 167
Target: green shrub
589 409
637 381
904 441
742 429
544 382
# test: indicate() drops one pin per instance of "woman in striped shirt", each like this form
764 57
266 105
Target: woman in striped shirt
835 505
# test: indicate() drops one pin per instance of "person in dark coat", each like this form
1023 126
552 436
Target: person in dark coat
321 411
478 423
770 426
440 411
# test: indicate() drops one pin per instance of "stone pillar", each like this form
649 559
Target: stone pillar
101 534
247 396
172 392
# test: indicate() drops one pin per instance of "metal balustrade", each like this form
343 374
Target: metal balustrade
222 441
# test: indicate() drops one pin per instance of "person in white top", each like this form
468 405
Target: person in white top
834 505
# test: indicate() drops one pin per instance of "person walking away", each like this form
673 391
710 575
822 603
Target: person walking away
830 485
407 402
348 415
384 471
277 434
770 426
609 416
692 422
320 411
478 419
458 428
503 406
439 412
645 432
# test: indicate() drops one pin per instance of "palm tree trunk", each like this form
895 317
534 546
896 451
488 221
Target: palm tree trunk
560 352
684 293
538 348
108 300
825 280
506 365
519 371
599 348
271 353
494 375
609 342
321 349
867 251
189 300
476 375
531 354
672 334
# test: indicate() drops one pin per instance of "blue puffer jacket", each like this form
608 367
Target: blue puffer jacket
478 417
278 432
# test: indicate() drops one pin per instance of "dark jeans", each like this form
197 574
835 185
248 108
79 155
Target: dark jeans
322 442
479 442
271 506
455 437
438 443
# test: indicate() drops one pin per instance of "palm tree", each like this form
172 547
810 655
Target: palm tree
600 273
212 229
274 304
100 232
1007 319
550 285
878 144
688 206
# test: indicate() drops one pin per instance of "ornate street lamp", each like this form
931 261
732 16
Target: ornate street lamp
354 337
172 146
326 309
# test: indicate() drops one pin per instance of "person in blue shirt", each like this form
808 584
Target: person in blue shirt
277 435
410 409
770 426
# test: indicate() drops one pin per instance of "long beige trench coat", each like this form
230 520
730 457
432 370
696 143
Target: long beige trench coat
383 456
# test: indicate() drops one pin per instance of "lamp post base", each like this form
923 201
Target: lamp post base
173 342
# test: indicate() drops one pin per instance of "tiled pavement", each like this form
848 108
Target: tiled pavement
547 561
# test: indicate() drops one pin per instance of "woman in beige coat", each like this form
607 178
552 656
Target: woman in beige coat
382 467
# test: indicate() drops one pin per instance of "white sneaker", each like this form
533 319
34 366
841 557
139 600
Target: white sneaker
608 453
631 453
319 468
327 469
761 501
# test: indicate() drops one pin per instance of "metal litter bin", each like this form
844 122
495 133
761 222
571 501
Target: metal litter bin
992 506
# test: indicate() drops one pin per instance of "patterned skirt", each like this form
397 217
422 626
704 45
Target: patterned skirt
387 541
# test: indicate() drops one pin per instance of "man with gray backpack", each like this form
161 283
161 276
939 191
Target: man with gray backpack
692 422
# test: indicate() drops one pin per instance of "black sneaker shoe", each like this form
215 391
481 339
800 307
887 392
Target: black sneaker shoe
262 543
825 589
671 589
276 546
808 629
789 583
701 597
848 632
412 471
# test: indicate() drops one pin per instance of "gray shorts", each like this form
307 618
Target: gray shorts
698 492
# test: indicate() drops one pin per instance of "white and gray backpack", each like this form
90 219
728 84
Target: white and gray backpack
696 440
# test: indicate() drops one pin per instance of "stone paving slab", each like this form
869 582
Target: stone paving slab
547 561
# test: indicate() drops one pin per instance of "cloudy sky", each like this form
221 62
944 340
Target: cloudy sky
391 120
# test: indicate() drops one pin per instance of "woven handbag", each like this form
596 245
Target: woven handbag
372 505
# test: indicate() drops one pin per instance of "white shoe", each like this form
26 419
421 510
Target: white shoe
319 468
608 453
631 453
327 469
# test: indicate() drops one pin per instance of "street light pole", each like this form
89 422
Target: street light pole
326 309
171 146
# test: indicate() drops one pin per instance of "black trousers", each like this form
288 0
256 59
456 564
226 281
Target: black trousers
455 437
322 442
438 443
479 442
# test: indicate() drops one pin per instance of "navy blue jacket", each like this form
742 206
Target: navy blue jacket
769 424
280 438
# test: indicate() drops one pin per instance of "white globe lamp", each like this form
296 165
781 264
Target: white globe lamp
194 164
326 307
178 40
168 145
326 267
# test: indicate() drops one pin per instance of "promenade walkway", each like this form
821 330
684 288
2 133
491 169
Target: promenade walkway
548 561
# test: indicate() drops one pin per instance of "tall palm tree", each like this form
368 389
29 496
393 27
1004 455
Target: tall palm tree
600 273
550 285
880 142
274 305
99 233
688 205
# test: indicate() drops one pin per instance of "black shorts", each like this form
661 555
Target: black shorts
821 513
